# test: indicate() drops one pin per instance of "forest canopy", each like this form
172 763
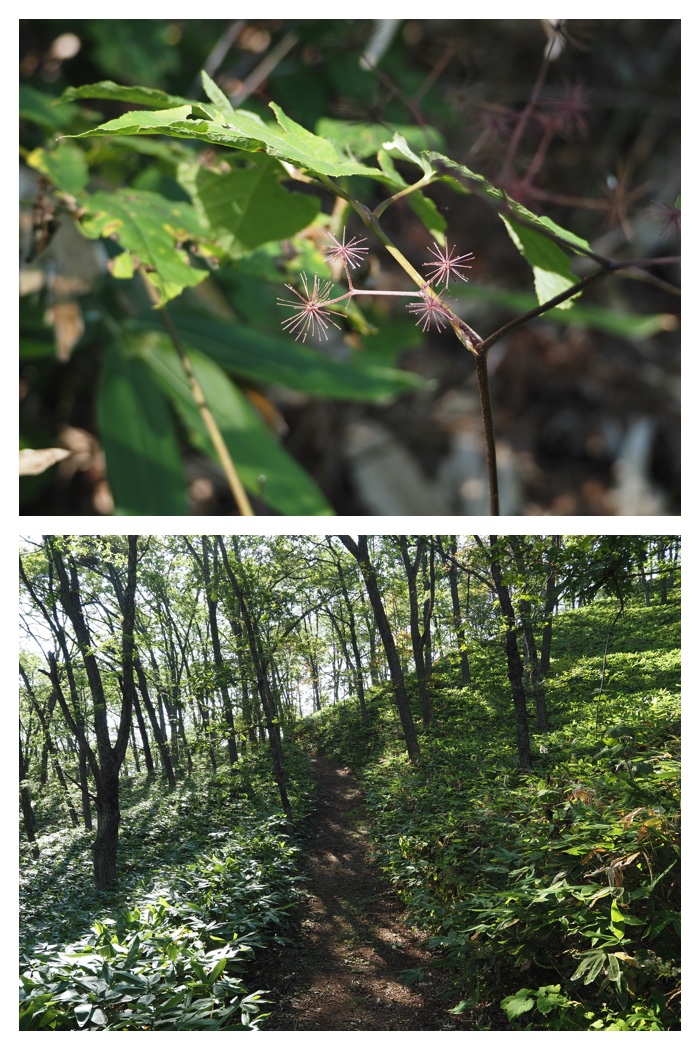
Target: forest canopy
511 705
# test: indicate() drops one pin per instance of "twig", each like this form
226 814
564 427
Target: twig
263 70
212 427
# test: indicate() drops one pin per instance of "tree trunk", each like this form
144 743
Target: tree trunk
263 683
28 817
360 552
515 666
458 620
418 637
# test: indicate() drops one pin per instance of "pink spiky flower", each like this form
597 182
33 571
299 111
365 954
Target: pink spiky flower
350 254
429 310
448 265
312 316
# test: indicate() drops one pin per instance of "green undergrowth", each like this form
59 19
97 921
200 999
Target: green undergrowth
208 874
554 893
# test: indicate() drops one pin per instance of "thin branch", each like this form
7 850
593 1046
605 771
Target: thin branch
212 427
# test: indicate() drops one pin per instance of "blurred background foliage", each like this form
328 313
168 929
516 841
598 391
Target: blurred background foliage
586 402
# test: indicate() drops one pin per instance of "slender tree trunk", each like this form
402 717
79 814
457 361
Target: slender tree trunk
418 637
533 664
458 620
515 666
262 681
28 817
360 552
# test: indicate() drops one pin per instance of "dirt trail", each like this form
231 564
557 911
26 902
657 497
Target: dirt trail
342 974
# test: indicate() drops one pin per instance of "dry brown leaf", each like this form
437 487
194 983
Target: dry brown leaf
37 460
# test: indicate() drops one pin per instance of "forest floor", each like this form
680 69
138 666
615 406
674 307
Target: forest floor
346 970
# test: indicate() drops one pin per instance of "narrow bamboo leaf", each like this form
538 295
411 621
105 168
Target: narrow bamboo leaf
286 487
266 359
144 468
151 227
247 208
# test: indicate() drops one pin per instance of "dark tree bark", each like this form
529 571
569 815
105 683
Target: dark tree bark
550 601
360 553
28 818
531 655
515 666
419 618
457 617
260 665
49 747
353 663
106 763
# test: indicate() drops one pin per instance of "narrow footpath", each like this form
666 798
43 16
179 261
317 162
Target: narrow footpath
357 965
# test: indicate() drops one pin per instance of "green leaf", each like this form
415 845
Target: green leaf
267 359
364 140
151 227
216 95
550 266
617 920
65 166
528 231
515 1005
107 89
247 208
39 108
289 141
255 452
144 468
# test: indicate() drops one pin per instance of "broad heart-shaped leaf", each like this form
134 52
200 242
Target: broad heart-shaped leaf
288 141
249 207
263 358
549 263
144 468
286 487
151 227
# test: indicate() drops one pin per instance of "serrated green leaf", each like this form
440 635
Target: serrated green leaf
266 359
144 468
247 208
287 488
149 226
289 141
107 89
